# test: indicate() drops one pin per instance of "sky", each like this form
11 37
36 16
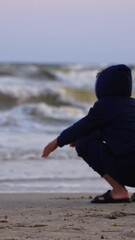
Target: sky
67 31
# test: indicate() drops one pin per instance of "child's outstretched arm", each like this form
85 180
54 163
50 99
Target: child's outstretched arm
50 148
83 127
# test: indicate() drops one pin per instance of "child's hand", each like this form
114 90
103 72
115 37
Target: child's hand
50 148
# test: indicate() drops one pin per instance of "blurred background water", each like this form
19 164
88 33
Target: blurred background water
37 101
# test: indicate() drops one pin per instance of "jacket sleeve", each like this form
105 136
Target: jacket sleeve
83 127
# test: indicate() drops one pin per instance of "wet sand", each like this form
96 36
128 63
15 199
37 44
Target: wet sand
65 216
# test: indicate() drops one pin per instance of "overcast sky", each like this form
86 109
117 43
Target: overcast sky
66 31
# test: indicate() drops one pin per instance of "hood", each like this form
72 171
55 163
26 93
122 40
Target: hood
114 81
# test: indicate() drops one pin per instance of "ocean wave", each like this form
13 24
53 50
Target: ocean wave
28 102
67 73
46 70
15 91
67 85
39 117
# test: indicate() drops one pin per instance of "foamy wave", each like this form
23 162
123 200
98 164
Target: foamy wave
15 91
39 117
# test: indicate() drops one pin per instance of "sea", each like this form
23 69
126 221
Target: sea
37 102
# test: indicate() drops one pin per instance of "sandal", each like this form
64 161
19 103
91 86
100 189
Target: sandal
107 198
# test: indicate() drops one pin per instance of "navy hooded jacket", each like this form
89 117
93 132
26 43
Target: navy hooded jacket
113 114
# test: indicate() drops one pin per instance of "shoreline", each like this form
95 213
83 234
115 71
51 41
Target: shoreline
63 216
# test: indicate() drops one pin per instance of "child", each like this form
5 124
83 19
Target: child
105 138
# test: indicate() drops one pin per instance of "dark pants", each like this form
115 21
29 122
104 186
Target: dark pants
98 156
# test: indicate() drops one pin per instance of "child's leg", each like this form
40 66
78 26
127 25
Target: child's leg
119 191
99 157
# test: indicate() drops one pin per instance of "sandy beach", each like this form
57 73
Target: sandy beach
63 217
